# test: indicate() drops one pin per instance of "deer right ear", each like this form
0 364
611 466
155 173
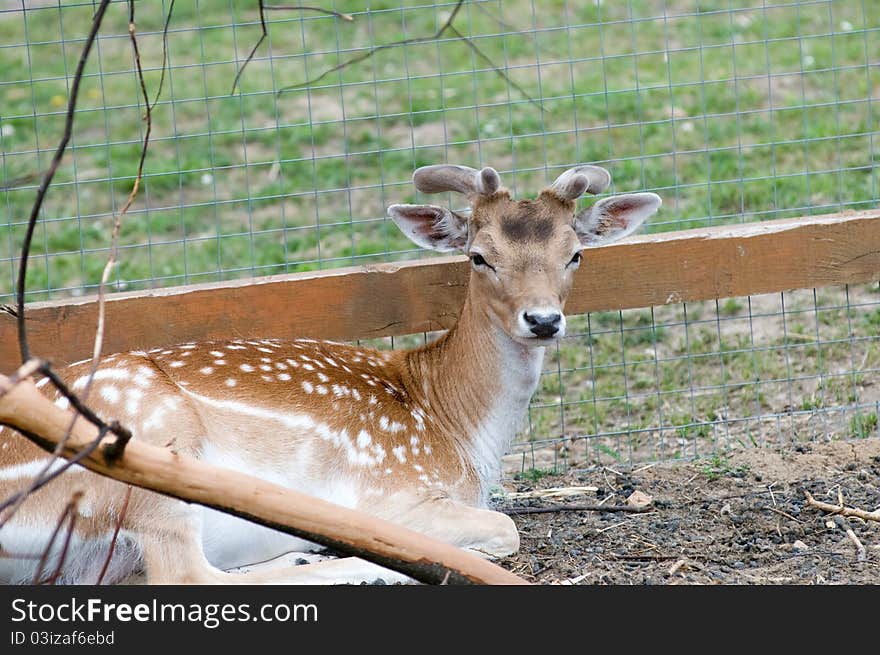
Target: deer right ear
435 228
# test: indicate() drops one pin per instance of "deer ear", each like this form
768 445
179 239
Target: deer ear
614 217
435 228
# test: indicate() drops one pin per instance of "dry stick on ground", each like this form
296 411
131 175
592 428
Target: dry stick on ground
840 509
579 508
25 409
861 553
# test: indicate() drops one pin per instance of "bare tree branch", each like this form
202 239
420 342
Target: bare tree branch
327 12
164 53
447 25
50 175
372 51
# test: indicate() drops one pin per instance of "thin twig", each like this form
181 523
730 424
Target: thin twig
78 402
578 508
117 224
840 509
16 182
164 53
264 33
473 46
24 349
122 513
73 514
372 51
785 514
48 549
43 479
327 12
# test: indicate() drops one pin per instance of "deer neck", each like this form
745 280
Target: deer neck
476 382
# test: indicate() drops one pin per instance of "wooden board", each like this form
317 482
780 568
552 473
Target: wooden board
394 299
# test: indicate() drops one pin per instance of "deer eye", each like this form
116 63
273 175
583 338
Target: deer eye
478 260
575 260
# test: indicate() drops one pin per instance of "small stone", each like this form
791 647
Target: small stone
800 545
638 499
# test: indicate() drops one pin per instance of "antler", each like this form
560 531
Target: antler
462 179
579 180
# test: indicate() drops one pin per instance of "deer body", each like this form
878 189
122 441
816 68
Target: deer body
415 437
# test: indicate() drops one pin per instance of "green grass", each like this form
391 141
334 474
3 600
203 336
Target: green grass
719 466
258 183
689 110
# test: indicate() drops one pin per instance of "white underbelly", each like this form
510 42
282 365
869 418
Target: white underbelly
229 542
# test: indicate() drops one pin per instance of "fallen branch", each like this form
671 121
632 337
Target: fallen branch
550 492
578 508
354 533
840 509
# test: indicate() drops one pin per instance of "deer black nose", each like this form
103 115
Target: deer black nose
543 325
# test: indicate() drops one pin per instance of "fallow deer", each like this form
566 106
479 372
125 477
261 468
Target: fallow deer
412 436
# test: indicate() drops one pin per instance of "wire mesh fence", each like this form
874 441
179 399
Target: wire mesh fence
732 111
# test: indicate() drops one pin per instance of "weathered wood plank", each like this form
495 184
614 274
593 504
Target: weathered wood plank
394 299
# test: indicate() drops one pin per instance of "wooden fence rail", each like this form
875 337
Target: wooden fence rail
404 298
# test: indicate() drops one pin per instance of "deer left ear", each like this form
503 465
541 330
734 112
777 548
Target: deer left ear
428 226
615 217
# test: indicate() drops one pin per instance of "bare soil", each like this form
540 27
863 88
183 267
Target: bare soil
740 518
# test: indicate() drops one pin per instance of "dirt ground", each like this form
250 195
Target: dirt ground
741 518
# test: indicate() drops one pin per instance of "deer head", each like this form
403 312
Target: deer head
523 252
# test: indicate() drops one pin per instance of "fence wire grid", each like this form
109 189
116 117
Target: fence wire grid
732 111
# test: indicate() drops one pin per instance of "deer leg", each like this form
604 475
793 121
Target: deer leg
485 532
173 554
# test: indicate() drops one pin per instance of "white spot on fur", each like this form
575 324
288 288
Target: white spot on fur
234 347
62 402
132 400
322 377
176 364
307 386
206 370
321 389
216 353
247 368
330 361
231 382
266 378
284 377
400 453
110 394
219 362
265 367
308 367
364 439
